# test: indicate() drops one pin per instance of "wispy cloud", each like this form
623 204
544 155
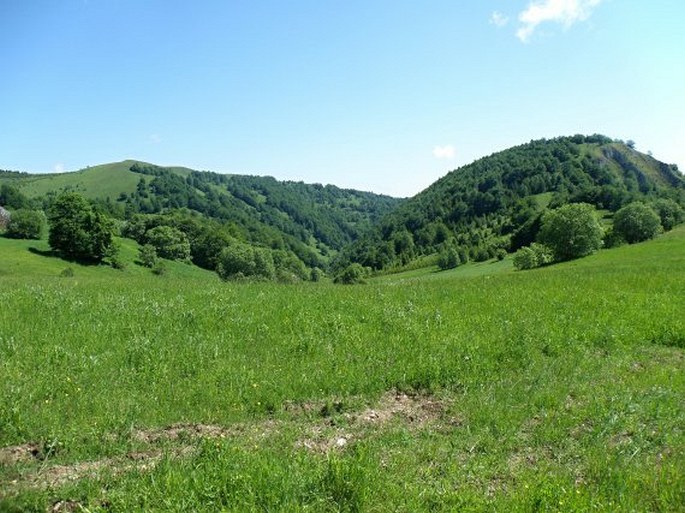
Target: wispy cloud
58 168
444 152
566 12
498 19
155 138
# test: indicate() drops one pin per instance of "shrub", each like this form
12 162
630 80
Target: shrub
612 239
288 267
353 273
67 272
448 258
159 268
636 222
571 231
147 256
244 261
535 255
26 224
501 254
117 262
316 274
169 242
524 258
481 254
670 213
77 231
12 198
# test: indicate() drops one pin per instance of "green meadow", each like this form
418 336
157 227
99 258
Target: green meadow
476 389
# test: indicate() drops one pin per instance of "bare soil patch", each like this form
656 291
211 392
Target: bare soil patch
18 453
414 410
331 433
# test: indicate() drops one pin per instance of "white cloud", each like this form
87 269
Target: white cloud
58 168
155 138
444 152
566 12
498 19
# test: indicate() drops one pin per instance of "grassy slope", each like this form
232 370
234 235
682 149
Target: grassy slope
560 388
106 180
30 258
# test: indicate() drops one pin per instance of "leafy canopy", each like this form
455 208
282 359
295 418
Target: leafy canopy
26 224
636 222
78 232
571 231
169 242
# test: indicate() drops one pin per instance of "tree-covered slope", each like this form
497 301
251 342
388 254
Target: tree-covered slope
312 221
495 203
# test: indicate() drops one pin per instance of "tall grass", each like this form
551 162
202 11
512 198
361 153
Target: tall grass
565 385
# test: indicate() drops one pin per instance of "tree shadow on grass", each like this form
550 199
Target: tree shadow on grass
51 253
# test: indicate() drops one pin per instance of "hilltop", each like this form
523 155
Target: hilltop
495 204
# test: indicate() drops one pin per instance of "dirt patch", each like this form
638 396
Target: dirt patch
63 506
59 475
621 439
528 457
334 432
177 432
18 453
414 410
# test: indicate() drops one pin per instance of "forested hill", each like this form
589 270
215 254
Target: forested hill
310 220
495 203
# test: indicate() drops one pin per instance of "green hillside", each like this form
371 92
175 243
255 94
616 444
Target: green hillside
309 222
496 203
23 258
556 389
104 181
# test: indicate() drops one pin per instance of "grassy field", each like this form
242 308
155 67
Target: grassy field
477 389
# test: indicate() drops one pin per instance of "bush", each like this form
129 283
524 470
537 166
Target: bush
571 231
117 262
169 242
12 198
613 239
524 258
448 258
353 273
289 268
316 274
240 260
159 268
147 256
26 224
636 222
77 231
530 257
67 272
501 254
670 213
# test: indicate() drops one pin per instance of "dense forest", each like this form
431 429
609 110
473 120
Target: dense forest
495 204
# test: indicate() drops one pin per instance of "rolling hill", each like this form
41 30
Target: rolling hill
481 210
496 202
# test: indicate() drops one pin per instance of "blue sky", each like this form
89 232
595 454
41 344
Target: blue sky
375 95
